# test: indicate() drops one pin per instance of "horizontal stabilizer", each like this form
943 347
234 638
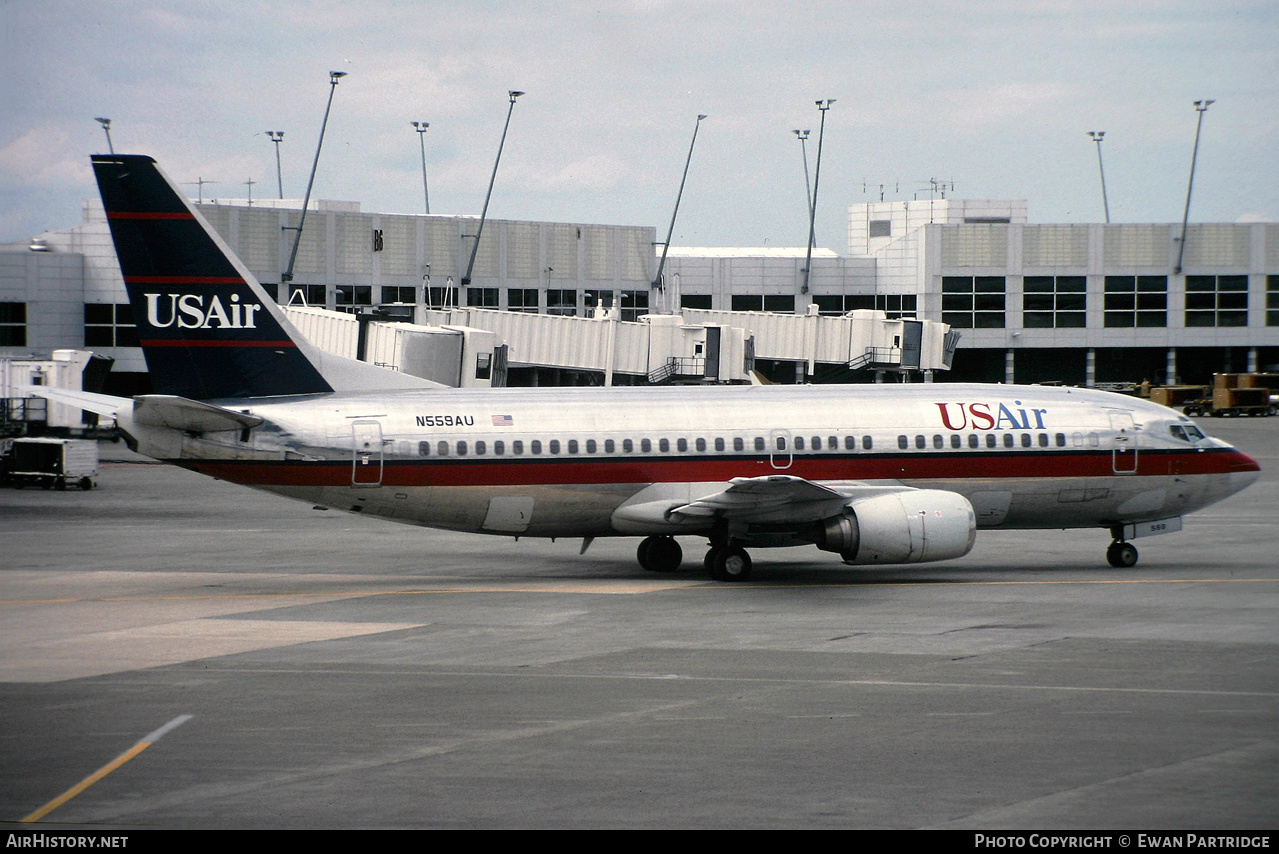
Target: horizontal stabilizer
190 416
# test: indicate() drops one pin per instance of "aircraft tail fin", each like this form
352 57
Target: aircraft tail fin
207 327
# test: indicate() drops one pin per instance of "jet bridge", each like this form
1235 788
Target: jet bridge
470 347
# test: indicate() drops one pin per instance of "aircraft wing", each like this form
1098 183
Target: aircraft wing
772 498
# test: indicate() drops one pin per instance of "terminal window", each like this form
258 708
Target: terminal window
399 294
562 302
481 297
1054 302
13 324
696 301
1216 300
108 325
1272 300
896 306
1136 301
307 295
522 299
973 302
349 297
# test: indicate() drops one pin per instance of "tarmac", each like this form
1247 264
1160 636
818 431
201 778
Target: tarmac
249 662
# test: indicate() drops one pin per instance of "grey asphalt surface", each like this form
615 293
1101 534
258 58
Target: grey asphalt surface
347 672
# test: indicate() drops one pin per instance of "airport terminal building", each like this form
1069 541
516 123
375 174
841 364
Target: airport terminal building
1081 304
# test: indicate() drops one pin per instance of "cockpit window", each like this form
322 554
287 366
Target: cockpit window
1186 432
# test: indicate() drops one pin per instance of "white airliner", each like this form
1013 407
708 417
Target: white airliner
879 474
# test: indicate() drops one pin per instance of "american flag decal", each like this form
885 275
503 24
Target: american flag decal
503 421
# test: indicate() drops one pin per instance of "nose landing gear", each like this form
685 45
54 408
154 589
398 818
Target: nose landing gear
1121 555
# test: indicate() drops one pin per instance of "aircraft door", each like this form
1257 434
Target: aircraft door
780 451
912 343
1124 446
366 453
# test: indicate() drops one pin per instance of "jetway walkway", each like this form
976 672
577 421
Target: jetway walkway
474 346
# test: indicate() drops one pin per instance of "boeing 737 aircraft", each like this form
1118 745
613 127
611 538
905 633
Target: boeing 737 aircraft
877 474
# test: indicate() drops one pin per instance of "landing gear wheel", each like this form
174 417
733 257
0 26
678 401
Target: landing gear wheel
1121 555
660 554
729 563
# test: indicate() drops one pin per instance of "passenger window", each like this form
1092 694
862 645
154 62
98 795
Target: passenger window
1094 440
903 442
739 444
664 445
517 447
937 441
499 448
572 446
701 444
955 441
461 449
442 449
535 446
554 446
628 446
681 445
1043 440
759 443
799 443
973 441
719 443
867 443
424 449
591 446
1061 440
1025 440
479 449
921 442
832 442
609 446
990 440
646 446
781 443
1008 440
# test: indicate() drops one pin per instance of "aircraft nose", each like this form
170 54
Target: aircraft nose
1243 471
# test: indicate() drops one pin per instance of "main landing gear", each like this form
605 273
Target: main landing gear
725 561
1121 555
660 554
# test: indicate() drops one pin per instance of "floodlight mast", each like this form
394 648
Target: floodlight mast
334 77
277 136
1097 136
421 127
661 265
1201 107
823 106
470 265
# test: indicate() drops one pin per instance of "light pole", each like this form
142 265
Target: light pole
1201 107
512 95
823 106
277 136
1097 136
802 135
657 280
421 127
106 126
334 77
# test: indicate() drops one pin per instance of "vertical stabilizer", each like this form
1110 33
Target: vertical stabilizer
207 327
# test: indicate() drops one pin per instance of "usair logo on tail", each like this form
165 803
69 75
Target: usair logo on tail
196 311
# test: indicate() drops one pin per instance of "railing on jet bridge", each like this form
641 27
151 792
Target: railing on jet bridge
876 356
678 366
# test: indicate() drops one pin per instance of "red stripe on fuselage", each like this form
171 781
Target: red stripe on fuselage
184 280
543 471
149 215
187 342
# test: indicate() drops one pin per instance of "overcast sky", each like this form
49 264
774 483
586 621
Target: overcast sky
994 96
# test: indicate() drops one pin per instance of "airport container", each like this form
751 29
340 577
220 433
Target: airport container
53 463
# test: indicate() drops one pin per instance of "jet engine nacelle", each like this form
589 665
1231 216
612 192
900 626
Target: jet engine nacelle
911 526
